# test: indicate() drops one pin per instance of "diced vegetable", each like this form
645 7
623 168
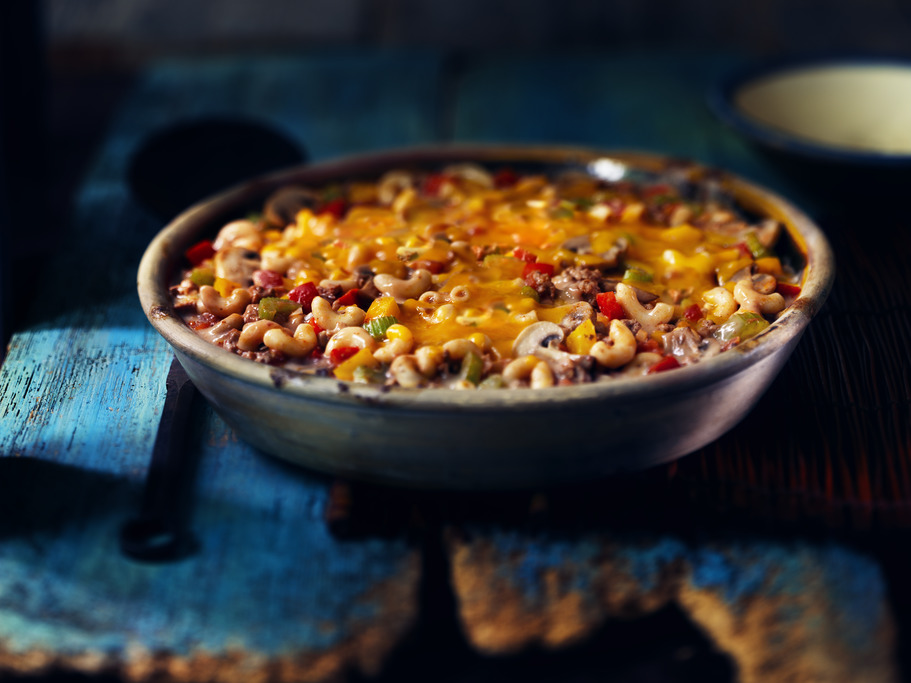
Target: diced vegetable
757 248
366 374
349 298
581 339
342 353
304 295
742 326
336 207
524 255
384 306
434 183
224 287
634 274
505 177
492 382
377 326
609 306
666 363
272 307
786 289
199 252
472 368
530 293
202 276
361 358
693 313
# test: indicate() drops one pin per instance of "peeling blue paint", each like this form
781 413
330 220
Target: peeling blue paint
646 560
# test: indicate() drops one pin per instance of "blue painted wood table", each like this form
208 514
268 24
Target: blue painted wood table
771 561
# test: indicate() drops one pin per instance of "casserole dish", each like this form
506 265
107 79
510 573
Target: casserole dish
504 438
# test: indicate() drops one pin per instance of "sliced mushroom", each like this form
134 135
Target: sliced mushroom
282 206
577 314
581 244
613 255
536 337
541 339
236 264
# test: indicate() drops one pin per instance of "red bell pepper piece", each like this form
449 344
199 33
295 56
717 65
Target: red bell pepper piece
342 353
524 255
505 177
335 206
666 363
304 295
203 321
787 289
647 346
693 313
434 183
316 326
349 298
199 252
609 306
744 250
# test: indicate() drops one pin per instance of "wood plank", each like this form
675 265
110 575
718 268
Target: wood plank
269 592
781 611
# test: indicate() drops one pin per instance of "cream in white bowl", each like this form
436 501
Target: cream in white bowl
862 108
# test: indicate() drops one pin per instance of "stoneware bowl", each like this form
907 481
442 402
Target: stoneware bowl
839 126
485 439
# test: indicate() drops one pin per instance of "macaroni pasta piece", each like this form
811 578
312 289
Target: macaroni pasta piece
471 278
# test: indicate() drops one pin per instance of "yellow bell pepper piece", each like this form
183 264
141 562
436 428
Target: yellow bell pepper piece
345 369
581 339
225 287
382 306
770 265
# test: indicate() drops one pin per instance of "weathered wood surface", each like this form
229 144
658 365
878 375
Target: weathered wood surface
782 611
270 594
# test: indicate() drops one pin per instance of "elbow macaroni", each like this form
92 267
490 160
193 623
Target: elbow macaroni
461 261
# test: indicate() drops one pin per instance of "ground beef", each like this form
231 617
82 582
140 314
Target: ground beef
542 284
331 292
251 314
228 340
365 285
267 356
580 284
259 293
576 371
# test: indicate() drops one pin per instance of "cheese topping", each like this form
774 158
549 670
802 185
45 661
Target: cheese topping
460 276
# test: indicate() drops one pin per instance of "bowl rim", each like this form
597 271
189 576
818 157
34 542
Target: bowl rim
162 253
721 101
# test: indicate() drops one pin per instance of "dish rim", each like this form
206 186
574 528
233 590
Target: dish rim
721 100
166 248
